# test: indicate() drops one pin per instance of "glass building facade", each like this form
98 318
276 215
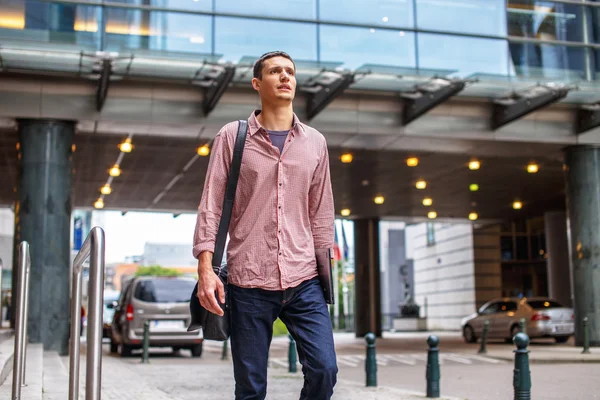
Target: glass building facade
522 38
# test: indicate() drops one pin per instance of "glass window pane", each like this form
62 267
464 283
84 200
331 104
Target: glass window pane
238 37
305 9
389 13
547 61
192 5
463 54
39 21
128 29
485 17
545 20
358 46
595 24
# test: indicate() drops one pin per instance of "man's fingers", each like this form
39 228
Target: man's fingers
221 291
213 305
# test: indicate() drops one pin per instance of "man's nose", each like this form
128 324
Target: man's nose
284 76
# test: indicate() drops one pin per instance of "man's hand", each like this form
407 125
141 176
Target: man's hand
208 284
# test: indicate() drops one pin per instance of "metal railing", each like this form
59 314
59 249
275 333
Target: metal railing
21 314
92 248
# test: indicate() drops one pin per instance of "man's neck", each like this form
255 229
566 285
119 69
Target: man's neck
276 118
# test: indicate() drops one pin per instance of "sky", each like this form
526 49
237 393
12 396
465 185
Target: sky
127 234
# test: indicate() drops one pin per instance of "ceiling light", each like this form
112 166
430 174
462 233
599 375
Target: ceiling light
401 33
372 30
532 168
427 201
474 165
106 189
73 148
412 161
346 158
385 19
99 203
473 216
345 212
18 146
432 215
379 200
517 205
421 184
126 146
115 171
203 150
473 187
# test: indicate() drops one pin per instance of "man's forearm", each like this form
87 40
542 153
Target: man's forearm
205 262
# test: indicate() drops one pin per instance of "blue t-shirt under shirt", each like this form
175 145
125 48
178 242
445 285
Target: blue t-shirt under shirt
278 138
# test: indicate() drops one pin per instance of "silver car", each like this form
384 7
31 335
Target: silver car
545 317
163 302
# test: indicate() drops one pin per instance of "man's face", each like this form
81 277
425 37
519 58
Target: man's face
278 81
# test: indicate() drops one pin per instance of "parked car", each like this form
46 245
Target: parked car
544 317
111 298
164 302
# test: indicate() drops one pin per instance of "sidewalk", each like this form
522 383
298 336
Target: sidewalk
548 354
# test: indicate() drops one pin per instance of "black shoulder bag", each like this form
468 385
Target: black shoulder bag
215 327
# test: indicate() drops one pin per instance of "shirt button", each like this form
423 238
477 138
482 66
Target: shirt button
280 207
279 253
280 184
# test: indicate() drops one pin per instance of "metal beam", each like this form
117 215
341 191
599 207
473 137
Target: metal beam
588 118
215 79
105 70
428 96
324 88
518 105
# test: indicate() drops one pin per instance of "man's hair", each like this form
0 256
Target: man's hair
258 65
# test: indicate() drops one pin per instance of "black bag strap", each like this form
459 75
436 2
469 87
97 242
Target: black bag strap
232 181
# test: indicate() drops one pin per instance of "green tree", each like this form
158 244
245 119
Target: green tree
157 270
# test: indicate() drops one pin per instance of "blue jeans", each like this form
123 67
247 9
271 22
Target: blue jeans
304 311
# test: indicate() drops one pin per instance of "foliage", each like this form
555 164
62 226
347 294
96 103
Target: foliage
157 270
279 328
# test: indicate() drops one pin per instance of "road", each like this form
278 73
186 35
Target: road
401 363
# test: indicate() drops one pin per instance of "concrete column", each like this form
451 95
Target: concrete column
367 279
42 218
582 174
557 248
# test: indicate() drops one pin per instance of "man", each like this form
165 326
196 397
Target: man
283 213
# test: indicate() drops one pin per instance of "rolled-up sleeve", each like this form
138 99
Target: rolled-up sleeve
320 202
211 203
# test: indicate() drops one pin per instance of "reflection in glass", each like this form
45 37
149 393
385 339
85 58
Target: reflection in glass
487 17
595 25
398 13
464 54
305 9
239 37
547 61
45 22
192 5
358 46
128 29
545 20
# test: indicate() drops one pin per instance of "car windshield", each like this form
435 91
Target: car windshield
544 304
164 290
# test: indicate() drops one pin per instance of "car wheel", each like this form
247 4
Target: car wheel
562 339
114 347
514 330
469 334
197 350
125 350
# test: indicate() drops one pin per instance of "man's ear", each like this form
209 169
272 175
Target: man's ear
256 84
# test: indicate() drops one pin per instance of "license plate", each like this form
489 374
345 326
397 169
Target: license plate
170 325
562 328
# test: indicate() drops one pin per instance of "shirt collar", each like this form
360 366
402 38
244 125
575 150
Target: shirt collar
254 126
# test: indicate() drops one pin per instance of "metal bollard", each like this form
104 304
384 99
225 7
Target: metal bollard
371 360
146 342
486 327
224 351
521 375
433 368
292 357
586 337
523 325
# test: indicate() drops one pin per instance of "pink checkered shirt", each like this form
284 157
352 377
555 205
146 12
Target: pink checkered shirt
283 207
